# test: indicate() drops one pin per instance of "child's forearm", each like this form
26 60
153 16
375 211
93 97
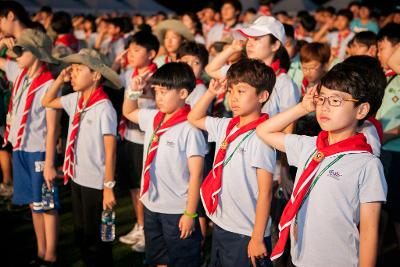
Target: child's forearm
128 109
196 171
52 93
199 111
52 117
213 68
369 227
110 145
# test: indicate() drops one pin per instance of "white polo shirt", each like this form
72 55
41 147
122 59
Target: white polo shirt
284 95
236 209
196 94
96 122
169 172
327 221
35 132
217 32
333 40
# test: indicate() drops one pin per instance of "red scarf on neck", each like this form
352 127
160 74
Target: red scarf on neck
43 76
213 182
97 97
123 122
390 73
68 40
159 129
354 144
304 85
276 67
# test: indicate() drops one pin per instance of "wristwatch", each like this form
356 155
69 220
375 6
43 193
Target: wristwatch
109 184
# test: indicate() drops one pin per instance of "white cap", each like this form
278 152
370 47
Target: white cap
262 26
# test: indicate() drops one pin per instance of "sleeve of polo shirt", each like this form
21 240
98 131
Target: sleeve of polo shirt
263 156
108 121
296 145
195 143
215 127
146 117
372 182
289 94
69 103
12 70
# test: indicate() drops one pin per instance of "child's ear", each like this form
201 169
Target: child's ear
152 54
96 76
372 51
363 110
275 46
10 16
263 96
183 93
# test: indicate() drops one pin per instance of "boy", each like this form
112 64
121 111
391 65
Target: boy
173 168
110 41
90 153
339 39
364 22
388 114
331 198
363 43
241 232
31 130
143 48
196 56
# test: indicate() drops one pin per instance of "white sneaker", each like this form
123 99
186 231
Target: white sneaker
6 190
131 237
140 243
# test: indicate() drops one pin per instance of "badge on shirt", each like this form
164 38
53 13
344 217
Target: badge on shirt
395 99
39 166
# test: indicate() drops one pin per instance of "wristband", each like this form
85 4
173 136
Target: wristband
191 215
133 95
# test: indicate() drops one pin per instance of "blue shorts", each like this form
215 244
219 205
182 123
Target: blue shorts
230 250
28 180
163 242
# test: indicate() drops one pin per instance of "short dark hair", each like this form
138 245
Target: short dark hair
145 39
320 52
17 9
193 49
367 38
353 3
308 23
253 72
391 32
46 9
289 30
360 76
345 13
61 22
330 9
117 22
235 3
174 75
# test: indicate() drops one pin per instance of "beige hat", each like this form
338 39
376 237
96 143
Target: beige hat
97 62
37 42
174 25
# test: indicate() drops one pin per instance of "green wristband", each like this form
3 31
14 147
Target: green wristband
191 215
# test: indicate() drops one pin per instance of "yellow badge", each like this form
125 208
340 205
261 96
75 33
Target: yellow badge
395 99
155 138
224 144
319 156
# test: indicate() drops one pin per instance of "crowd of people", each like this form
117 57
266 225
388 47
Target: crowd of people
258 127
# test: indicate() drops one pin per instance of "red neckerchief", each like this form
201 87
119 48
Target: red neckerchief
123 121
199 81
276 67
264 10
43 76
390 73
304 85
213 182
354 144
97 97
69 40
159 129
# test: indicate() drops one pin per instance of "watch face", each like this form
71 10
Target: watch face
109 184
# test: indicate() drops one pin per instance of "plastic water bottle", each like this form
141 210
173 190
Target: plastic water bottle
47 197
108 226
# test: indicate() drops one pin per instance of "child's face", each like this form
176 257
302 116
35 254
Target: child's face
6 25
113 30
172 41
138 56
260 48
169 100
364 13
342 118
26 60
313 70
359 49
194 62
341 23
188 22
228 12
81 77
244 100
385 50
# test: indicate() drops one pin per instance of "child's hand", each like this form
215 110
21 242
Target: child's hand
8 42
108 199
65 74
308 100
121 59
237 45
186 226
139 82
256 249
49 174
217 87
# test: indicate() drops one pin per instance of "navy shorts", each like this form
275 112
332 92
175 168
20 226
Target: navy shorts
163 243
28 180
230 250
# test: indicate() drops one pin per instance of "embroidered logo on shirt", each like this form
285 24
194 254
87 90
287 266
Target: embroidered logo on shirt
170 144
334 174
89 122
242 150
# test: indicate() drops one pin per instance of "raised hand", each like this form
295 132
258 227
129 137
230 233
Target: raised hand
308 100
65 74
217 87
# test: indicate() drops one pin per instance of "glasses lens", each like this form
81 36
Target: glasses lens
18 50
318 100
335 101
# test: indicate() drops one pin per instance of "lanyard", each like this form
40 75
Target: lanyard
236 148
25 85
315 180
152 137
